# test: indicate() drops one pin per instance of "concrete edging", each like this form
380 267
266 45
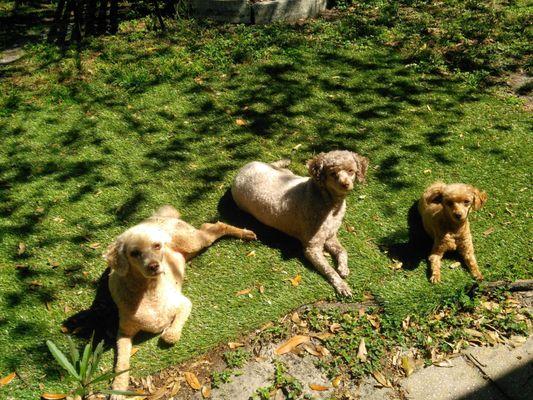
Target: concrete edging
262 12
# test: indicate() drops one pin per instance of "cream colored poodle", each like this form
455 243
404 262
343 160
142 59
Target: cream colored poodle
309 209
147 269
444 210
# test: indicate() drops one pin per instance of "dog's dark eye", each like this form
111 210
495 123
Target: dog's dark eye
135 253
156 246
449 203
351 171
467 202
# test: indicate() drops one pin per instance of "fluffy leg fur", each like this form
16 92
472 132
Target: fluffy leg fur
435 262
334 248
315 255
467 251
121 382
173 332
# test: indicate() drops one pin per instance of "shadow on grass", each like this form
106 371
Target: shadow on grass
413 251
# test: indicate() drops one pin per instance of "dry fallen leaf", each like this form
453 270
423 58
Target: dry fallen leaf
296 318
381 379
296 280
192 380
297 146
175 388
405 323
240 122
427 171
443 364
396 265
291 344
407 365
454 265
488 231
322 336
337 381
322 350
94 246
374 321
159 393
134 350
318 388
53 396
206 392
473 332
242 292
311 350
251 254
234 345
361 352
64 329
6 379
261 289
335 327
21 248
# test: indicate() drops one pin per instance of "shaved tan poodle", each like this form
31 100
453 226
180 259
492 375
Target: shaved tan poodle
147 270
444 210
309 209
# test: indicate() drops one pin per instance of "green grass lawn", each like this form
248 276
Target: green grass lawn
93 142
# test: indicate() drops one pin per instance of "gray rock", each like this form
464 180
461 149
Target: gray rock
462 381
235 11
269 11
510 369
11 55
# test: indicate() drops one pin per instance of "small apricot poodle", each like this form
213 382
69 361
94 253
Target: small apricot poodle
444 210
147 270
309 209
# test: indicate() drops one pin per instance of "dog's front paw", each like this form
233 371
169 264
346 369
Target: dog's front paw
478 276
435 278
248 235
343 289
170 336
343 271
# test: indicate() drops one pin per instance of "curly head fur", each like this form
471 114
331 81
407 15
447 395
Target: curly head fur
335 161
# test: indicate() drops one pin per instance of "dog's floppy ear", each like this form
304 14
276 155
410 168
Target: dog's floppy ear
316 168
116 257
480 198
362 166
433 194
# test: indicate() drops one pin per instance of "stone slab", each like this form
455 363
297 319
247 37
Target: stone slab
462 381
234 11
510 369
11 55
265 12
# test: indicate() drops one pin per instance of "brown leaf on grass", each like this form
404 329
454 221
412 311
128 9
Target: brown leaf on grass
39 210
296 280
454 265
407 365
64 329
192 380
240 122
396 265
336 381
335 327
206 392
361 352
159 393
234 345
488 231
405 322
318 388
492 337
53 396
58 219
381 379
134 350
473 332
368 296
21 248
322 350
322 336
94 245
297 147
291 344
374 321
261 289
296 318
243 292
250 253
8 378
47 305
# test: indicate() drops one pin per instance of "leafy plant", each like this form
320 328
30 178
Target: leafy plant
237 358
82 369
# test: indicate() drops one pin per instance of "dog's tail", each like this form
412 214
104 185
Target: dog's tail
167 211
283 163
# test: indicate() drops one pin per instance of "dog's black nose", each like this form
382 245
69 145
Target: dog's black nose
457 215
153 266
